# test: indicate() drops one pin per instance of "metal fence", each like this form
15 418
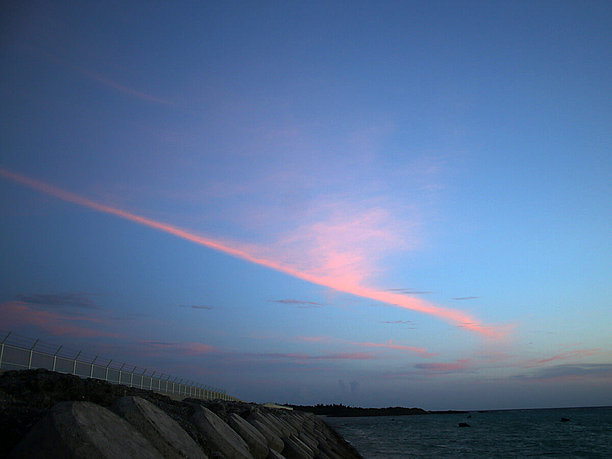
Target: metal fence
19 352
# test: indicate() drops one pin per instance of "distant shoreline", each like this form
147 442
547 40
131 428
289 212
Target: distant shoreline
343 411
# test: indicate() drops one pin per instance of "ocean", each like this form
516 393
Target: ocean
506 433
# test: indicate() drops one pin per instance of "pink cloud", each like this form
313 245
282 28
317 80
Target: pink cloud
333 356
336 258
314 339
100 78
459 365
18 314
189 348
578 353
419 350
124 89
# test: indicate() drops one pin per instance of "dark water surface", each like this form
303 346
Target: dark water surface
508 433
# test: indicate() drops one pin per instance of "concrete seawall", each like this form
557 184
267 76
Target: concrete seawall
46 414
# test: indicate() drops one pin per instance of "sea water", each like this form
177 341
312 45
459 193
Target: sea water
587 432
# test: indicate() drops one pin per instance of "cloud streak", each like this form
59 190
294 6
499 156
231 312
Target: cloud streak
332 356
76 300
568 355
332 277
18 314
124 89
409 291
570 372
196 306
452 367
299 303
418 350
191 348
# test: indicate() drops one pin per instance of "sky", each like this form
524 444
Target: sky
369 203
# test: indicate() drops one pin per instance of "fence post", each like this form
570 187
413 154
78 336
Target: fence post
120 372
32 352
132 377
55 357
151 381
75 362
106 370
92 365
142 378
2 348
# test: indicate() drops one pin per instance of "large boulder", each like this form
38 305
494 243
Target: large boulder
219 434
83 430
295 449
160 429
269 423
274 441
274 455
312 443
256 441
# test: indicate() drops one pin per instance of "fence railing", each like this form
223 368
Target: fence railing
19 352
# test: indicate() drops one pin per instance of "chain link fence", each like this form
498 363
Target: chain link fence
20 352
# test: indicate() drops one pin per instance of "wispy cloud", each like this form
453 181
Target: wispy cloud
196 306
449 367
314 339
299 303
17 314
342 269
409 291
390 345
75 300
569 372
405 322
575 354
331 356
463 298
100 79
189 348
122 88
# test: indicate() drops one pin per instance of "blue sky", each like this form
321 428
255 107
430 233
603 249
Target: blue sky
373 203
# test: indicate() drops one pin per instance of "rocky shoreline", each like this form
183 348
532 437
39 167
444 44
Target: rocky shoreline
48 414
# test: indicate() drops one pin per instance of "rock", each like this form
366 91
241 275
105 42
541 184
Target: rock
254 439
83 430
308 440
269 423
295 449
464 424
30 397
281 425
565 420
156 426
293 419
273 440
220 435
274 455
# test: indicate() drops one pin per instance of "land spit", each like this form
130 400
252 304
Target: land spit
48 414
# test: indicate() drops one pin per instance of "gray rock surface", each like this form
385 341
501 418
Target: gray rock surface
47 414
294 449
84 430
274 441
254 439
275 455
308 440
220 435
269 423
160 429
